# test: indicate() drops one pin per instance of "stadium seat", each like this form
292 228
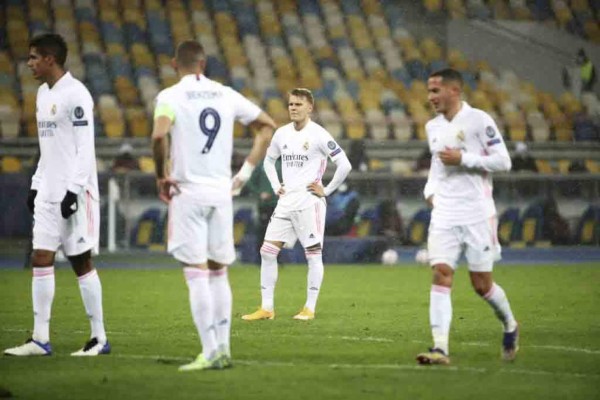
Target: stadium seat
509 226
532 223
242 224
588 228
148 230
368 223
418 227
11 165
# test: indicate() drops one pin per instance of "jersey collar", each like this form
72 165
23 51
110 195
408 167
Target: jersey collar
192 78
62 81
463 109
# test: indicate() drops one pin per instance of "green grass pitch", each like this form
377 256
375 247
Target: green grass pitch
371 322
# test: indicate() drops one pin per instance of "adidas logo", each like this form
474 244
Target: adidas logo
311 236
81 240
487 248
285 146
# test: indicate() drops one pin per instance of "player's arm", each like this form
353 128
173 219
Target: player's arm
264 126
164 116
35 182
342 169
273 153
81 119
433 177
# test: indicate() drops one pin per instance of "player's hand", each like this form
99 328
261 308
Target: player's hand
430 201
236 185
167 188
316 189
31 199
68 205
281 191
450 156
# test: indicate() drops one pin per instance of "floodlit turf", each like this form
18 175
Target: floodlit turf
371 321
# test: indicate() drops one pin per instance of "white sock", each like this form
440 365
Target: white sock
315 277
268 275
91 294
202 309
440 316
222 301
42 293
496 298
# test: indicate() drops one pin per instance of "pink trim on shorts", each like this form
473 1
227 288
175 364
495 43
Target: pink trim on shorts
318 217
218 272
489 294
440 289
41 272
89 213
85 276
494 228
269 248
194 273
313 253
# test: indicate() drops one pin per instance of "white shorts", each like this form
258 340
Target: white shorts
198 232
77 234
479 241
308 225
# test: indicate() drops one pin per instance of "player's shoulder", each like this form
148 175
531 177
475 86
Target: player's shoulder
434 122
77 91
478 114
284 129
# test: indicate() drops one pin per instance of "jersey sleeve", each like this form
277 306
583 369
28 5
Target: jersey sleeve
329 146
164 107
245 110
81 115
274 151
496 156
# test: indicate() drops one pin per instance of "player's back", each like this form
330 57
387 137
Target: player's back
202 132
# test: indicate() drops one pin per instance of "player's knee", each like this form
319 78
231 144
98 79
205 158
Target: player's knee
42 258
481 287
442 274
269 251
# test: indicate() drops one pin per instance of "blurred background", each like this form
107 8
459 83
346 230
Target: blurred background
531 64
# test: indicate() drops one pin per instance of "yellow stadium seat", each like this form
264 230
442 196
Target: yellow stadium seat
11 165
544 167
147 164
592 166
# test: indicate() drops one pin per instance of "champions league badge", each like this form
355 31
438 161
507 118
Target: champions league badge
331 144
490 132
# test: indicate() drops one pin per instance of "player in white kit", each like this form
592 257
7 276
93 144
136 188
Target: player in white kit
199 114
304 147
64 195
466 147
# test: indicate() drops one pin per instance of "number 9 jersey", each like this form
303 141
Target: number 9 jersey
202 113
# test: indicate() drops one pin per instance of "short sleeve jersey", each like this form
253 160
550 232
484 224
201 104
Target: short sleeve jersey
203 113
303 161
461 195
65 122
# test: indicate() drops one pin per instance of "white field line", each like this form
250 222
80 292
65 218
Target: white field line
373 339
396 367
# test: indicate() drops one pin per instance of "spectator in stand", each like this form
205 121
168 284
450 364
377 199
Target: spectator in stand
125 161
555 228
358 156
522 159
423 163
343 207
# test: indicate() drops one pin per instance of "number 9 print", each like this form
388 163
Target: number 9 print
211 132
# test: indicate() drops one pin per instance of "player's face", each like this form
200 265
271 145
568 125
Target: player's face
299 108
38 64
441 95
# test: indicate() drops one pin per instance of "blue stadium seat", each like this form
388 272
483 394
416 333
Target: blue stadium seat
509 226
588 228
149 229
532 223
242 224
419 226
368 223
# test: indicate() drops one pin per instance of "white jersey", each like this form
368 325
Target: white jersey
65 122
203 112
303 161
462 194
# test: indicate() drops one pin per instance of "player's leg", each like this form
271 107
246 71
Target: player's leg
46 240
80 237
310 226
279 231
188 238
444 246
481 252
221 253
